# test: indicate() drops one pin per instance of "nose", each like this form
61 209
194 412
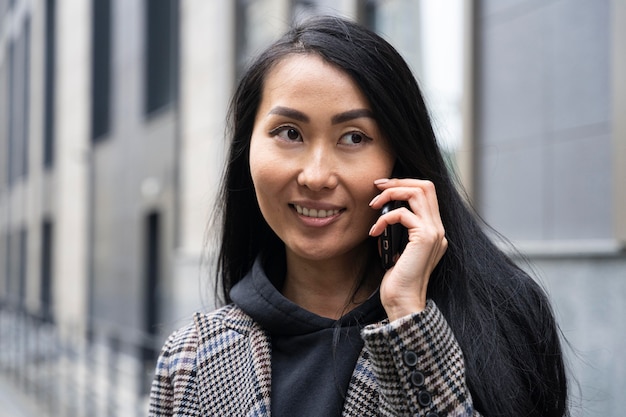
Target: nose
318 170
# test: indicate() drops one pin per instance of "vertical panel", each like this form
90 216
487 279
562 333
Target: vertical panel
618 14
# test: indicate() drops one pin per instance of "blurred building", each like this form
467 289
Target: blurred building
112 122
549 167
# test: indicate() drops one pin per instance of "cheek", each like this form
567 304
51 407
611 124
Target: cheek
376 167
268 174
263 177
362 182
258 164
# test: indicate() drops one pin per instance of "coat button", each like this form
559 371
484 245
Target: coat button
432 414
424 398
417 379
410 358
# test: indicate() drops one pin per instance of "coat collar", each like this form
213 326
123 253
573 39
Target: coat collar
233 365
234 370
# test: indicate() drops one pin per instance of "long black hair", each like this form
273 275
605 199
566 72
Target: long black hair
500 316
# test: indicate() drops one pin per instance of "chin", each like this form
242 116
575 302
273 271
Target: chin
327 253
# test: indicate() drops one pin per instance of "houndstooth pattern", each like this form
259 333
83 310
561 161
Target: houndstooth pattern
440 359
220 365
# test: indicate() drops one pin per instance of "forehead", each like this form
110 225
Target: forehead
308 76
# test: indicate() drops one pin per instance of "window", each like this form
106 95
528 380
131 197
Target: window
304 9
11 142
366 13
25 49
100 69
46 270
50 40
258 23
23 263
152 277
161 53
19 70
7 263
152 270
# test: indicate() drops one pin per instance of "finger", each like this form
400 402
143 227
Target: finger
385 183
409 190
400 215
408 183
422 201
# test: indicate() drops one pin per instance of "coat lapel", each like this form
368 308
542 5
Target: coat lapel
362 396
234 365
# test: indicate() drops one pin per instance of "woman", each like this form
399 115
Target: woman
329 125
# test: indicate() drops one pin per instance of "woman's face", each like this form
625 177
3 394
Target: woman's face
314 155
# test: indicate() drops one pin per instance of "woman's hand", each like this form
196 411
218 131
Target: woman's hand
403 289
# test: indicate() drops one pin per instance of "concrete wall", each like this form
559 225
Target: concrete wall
545 138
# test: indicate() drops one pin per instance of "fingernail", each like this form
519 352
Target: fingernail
374 200
371 229
381 181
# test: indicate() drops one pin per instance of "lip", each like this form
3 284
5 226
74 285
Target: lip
316 214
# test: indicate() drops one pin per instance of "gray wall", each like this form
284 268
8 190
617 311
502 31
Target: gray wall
544 137
544 145
588 294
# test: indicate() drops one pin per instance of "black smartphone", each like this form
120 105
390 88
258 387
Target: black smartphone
394 238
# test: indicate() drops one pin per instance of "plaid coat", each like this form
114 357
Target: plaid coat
220 365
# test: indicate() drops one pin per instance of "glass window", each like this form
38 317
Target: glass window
22 266
258 24
100 69
19 63
303 9
161 53
50 45
46 270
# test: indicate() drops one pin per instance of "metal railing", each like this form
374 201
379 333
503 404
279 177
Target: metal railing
74 373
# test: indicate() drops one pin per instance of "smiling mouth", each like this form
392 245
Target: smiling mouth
320 214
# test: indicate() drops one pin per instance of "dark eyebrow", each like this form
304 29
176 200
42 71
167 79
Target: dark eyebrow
351 115
291 113
336 119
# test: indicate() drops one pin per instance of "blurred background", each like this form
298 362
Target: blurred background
112 121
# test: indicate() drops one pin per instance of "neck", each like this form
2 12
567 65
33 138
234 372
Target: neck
329 288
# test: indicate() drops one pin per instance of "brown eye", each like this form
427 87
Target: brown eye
353 138
293 134
356 138
287 133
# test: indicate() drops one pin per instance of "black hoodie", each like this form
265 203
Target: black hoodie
313 357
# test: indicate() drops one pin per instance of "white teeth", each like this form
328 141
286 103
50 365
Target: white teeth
314 212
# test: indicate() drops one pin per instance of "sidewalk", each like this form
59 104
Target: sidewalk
13 402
